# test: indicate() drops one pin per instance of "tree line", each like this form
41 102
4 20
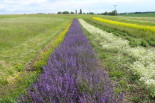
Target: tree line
114 12
67 12
138 12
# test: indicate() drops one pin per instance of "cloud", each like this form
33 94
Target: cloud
34 6
23 2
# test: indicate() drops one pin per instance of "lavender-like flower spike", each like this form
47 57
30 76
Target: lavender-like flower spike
72 75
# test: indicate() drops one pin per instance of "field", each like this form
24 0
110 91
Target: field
140 15
42 56
21 39
146 21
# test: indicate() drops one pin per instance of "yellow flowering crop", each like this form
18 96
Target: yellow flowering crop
136 26
16 76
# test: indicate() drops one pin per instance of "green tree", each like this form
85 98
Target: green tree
65 12
92 13
72 12
80 11
59 12
75 11
105 13
114 12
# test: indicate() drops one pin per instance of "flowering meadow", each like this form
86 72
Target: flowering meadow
144 58
72 75
136 26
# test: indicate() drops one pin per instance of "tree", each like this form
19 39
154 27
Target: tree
114 12
65 12
72 12
75 11
59 12
105 13
92 13
80 11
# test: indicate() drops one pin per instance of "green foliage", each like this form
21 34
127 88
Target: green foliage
139 15
59 12
105 13
113 13
91 13
122 83
11 72
3 81
118 91
144 43
75 11
136 99
66 12
72 12
80 11
19 67
104 56
134 77
151 42
117 74
7 100
133 43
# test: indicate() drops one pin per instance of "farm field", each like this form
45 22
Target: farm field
146 21
21 40
124 64
140 15
47 58
137 34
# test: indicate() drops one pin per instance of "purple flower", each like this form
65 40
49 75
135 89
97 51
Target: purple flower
72 75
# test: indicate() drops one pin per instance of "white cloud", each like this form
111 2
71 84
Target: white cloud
28 6
23 2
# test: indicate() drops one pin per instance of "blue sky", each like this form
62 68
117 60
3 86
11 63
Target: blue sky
53 6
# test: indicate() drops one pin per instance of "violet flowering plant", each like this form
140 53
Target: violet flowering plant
72 75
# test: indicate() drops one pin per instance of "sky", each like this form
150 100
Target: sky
53 6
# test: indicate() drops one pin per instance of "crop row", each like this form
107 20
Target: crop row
72 75
143 58
136 26
135 37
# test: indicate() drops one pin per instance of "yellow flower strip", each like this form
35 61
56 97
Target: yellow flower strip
140 27
42 59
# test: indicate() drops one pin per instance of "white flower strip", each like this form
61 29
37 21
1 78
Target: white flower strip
145 58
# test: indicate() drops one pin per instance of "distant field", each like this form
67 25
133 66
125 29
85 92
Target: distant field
147 21
134 33
140 15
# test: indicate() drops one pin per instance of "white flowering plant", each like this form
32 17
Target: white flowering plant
144 64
